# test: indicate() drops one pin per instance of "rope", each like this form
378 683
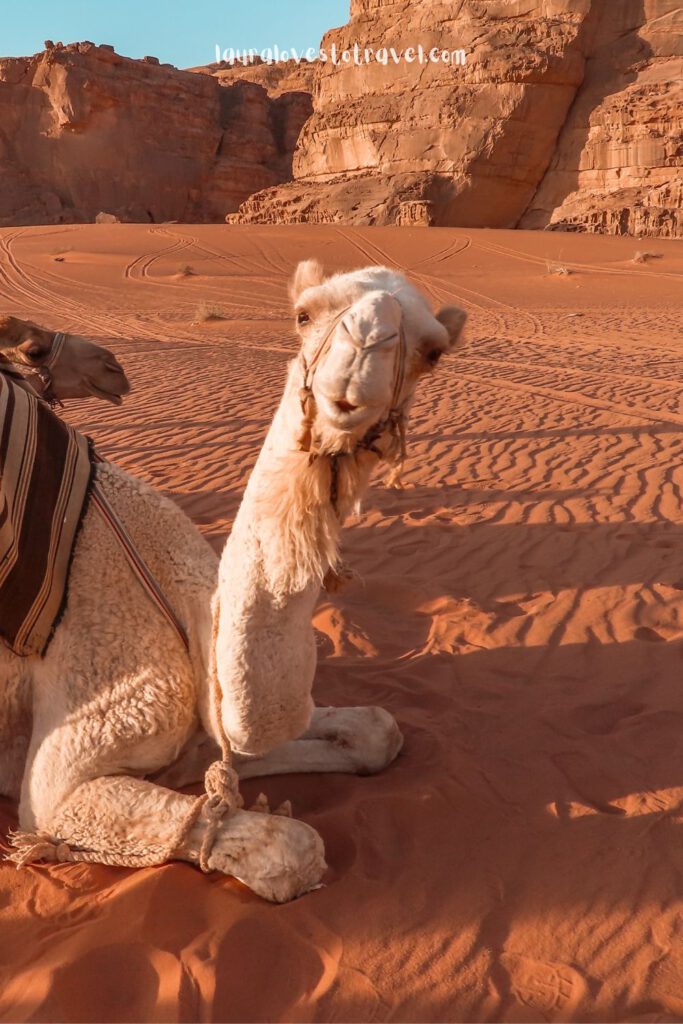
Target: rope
221 782
221 798
136 561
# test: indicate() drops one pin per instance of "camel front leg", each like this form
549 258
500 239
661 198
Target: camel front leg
357 741
120 820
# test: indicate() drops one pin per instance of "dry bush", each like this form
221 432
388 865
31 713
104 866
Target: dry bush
209 311
643 257
558 269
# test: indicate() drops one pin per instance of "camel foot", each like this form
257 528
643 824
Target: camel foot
370 736
361 741
277 857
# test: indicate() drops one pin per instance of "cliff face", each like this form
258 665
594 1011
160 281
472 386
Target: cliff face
276 78
83 130
567 113
618 163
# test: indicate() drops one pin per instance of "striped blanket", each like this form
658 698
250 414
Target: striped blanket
45 478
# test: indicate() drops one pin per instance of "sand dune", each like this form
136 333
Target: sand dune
520 611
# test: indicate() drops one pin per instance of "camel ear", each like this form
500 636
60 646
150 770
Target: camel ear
11 331
454 320
308 274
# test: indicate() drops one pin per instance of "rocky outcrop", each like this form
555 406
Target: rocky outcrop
618 165
85 131
468 144
277 78
567 114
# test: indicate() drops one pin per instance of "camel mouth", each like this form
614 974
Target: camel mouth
345 416
106 396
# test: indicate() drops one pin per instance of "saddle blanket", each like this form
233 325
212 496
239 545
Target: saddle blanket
46 472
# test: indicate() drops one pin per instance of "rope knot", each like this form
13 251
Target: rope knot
305 395
307 400
221 783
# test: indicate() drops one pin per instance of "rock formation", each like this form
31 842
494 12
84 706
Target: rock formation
567 113
276 78
84 131
618 164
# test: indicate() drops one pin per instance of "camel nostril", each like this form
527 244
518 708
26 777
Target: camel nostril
345 406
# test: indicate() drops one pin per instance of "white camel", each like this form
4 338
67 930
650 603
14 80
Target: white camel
118 710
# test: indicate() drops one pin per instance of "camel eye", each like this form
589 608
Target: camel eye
33 352
303 318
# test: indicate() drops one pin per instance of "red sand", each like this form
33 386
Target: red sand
521 614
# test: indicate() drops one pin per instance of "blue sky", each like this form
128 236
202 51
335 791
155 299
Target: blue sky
182 32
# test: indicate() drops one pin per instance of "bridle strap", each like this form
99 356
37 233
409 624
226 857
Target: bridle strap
399 372
394 422
306 398
44 372
58 343
310 368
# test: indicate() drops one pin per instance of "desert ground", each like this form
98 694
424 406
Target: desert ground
520 611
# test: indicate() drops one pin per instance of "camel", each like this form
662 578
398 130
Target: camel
65 365
121 710
56 367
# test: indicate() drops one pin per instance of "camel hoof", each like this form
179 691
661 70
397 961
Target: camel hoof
382 742
278 858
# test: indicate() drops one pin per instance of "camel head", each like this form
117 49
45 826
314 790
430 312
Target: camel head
366 339
75 369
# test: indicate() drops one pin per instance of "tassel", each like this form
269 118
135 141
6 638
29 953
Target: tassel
29 847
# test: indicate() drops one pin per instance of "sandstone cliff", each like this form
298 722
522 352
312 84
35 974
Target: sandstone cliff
618 165
568 113
276 78
84 130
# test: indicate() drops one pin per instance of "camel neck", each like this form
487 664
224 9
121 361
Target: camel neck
288 508
284 540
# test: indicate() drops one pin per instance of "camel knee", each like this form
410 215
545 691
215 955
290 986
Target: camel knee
116 819
268 726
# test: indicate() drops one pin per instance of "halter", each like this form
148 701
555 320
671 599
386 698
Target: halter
394 422
43 372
